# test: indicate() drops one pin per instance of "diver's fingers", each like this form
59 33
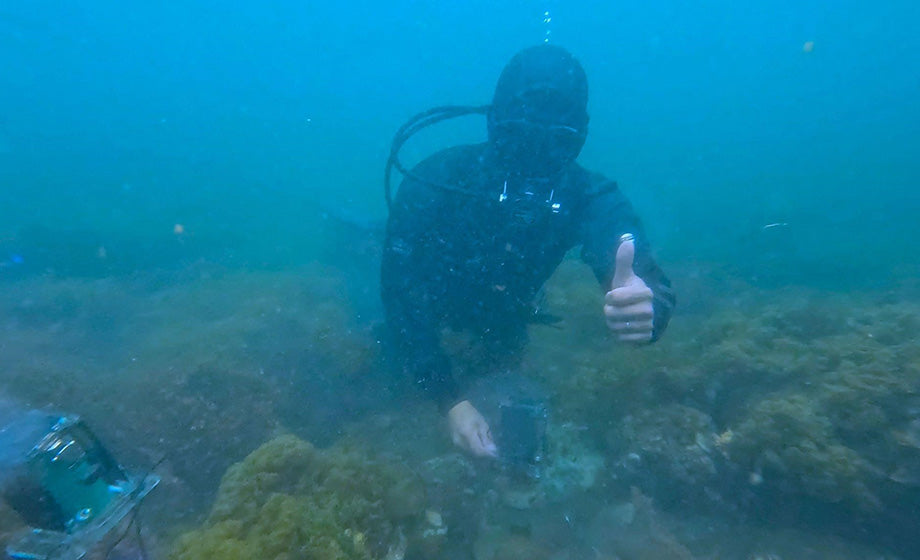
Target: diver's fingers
479 442
487 445
631 327
636 337
628 295
623 265
634 312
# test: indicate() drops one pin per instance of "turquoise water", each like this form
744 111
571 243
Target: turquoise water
190 226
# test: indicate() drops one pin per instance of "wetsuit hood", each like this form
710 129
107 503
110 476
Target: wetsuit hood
538 120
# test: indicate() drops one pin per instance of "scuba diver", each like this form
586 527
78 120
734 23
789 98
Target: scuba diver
474 231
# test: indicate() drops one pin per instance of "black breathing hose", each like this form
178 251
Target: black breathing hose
412 126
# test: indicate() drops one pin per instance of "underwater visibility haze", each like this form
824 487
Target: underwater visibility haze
192 220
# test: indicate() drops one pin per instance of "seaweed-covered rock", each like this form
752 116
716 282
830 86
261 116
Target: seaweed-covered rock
573 464
668 448
632 531
500 545
815 395
786 442
289 500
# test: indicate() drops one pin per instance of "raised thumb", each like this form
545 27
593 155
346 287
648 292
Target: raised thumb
623 267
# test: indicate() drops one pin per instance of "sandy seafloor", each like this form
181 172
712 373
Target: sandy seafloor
774 423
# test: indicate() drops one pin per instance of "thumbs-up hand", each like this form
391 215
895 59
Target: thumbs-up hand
628 305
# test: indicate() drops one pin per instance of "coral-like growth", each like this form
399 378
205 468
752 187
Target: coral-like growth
199 365
669 448
633 531
816 395
290 500
787 439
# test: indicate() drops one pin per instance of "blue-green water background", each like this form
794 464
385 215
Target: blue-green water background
774 178
243 122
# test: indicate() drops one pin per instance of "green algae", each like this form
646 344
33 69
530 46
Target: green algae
791 396
806 395
169 364
788 440
289 500
671 445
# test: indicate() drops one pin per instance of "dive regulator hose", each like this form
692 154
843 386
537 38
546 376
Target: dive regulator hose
412 126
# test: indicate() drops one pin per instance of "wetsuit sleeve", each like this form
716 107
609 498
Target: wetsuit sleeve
409 287
610 215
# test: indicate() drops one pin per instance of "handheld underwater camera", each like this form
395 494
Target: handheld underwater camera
71 492
522 437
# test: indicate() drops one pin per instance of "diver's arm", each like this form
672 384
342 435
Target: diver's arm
609 217
412 279
414 331
407 289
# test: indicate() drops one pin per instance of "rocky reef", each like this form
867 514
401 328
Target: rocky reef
289 500
792 408
166 364
806 399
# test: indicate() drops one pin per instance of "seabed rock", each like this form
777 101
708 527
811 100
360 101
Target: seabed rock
290 500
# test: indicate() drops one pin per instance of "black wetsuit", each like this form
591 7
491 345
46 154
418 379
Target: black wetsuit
469 248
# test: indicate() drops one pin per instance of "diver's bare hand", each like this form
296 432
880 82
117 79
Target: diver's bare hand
628 305
470 431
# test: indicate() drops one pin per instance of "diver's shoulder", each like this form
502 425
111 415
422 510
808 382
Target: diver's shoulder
592 182
450 164
444 169
450 158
